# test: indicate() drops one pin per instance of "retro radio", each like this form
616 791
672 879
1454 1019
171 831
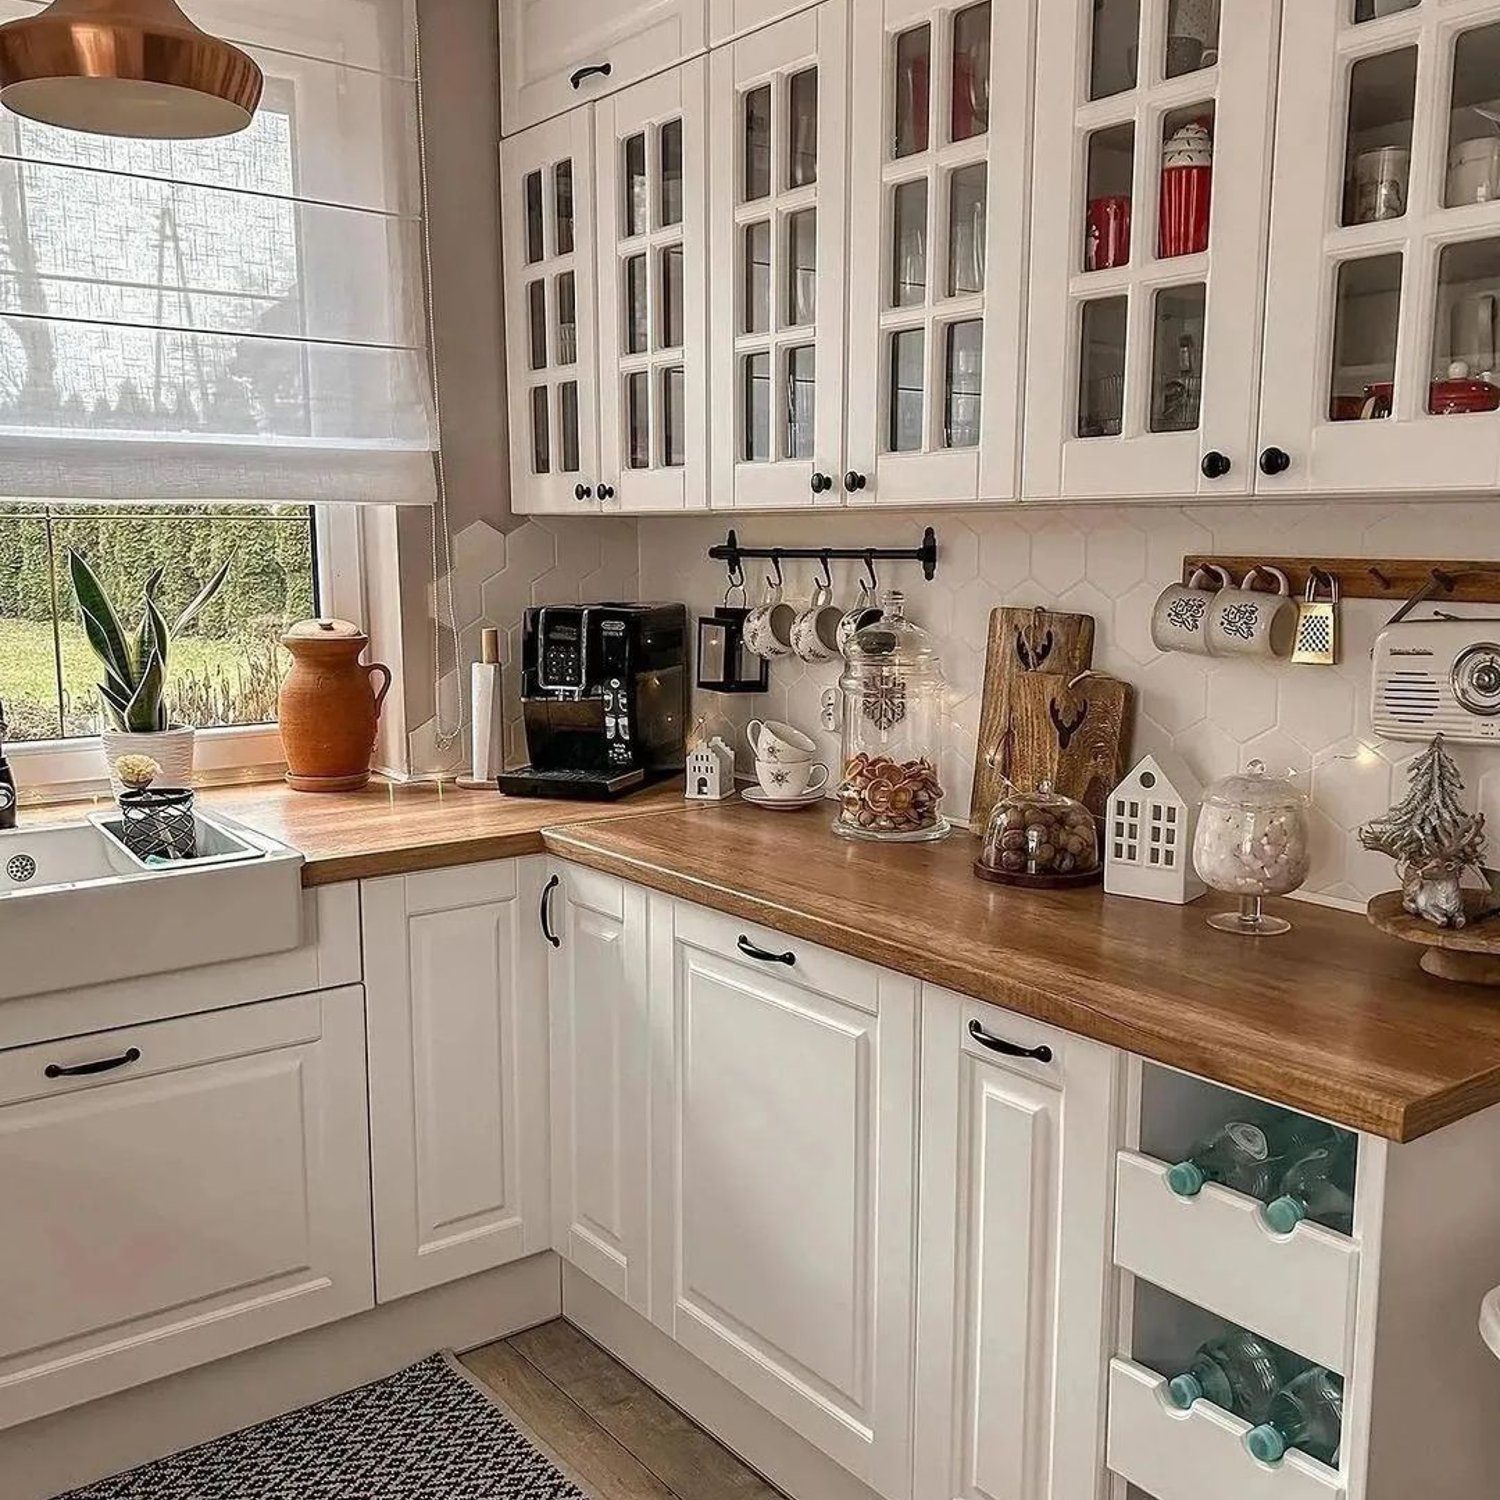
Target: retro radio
1438 677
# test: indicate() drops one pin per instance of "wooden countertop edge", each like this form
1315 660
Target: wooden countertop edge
1044 994
411 859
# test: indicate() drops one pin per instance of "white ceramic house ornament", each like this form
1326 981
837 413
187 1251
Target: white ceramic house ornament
710 772
1148 833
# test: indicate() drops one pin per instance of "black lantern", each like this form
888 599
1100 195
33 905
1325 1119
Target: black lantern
725 663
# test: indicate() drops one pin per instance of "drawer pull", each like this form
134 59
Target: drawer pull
1042 1054
602 70
86 1070
751 951
546 912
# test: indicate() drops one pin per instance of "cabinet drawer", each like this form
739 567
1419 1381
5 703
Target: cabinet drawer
1216 1250
1187 1455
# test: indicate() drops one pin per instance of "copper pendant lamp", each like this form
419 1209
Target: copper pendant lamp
126 67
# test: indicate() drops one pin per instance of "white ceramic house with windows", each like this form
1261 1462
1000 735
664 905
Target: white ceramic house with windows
1148 835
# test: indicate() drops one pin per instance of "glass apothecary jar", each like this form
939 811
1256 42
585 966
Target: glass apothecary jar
1040 838
895 700
1252 842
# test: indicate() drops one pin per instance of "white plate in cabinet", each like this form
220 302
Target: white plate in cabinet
1196 1454
203 1191
1217 1251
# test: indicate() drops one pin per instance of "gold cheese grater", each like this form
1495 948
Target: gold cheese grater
1316 643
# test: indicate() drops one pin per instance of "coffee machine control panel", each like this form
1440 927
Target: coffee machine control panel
562 654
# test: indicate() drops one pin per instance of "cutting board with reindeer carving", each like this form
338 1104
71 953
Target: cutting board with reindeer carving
1021 642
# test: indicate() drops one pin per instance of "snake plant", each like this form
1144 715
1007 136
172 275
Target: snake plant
135 663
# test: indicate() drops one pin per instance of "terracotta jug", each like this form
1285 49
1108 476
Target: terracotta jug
328 708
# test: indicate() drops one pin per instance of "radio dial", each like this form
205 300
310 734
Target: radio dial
1476 679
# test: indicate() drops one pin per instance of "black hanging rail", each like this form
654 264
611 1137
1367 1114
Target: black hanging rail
730 551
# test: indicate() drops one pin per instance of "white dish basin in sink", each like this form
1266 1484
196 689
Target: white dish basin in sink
76 908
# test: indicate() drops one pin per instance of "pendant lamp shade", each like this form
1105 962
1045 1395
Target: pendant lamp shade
126 67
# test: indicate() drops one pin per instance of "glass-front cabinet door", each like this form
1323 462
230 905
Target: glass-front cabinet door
1149 209
547 195
653 300
776 201
940 130
1381 370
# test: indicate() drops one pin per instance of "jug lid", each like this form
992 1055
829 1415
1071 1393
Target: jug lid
323 630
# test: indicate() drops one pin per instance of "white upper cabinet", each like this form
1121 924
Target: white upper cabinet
728 19
939 172
1385 250
558 53
651 191
777 194
1153 148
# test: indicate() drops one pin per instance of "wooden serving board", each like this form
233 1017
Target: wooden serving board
1021 642
1071 731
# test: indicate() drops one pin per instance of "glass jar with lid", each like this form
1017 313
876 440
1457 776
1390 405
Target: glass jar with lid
1040 838
1252 842
895 701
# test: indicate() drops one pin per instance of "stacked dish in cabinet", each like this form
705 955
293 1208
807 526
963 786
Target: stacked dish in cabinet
1235 1228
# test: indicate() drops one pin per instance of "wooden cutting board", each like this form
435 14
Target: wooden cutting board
1021 642
1071 731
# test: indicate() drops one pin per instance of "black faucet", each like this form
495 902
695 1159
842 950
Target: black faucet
7 782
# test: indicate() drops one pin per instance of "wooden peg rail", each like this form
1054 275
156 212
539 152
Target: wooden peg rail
1396 579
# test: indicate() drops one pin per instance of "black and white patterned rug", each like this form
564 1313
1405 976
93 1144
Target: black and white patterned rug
427 1433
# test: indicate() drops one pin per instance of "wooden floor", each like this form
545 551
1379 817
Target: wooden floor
625 1441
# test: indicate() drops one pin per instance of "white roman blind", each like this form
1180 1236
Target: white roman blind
228 320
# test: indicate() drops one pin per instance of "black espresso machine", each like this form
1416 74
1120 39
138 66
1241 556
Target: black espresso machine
604 694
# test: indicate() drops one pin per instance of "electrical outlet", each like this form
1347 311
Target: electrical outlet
830 714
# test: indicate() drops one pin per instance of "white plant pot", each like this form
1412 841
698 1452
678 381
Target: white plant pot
171 749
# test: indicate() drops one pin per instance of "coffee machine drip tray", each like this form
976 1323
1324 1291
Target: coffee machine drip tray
581 786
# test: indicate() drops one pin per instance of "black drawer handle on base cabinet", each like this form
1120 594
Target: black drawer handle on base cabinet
1275 461
546 912
87 1070
751 951
1041 1054
600 70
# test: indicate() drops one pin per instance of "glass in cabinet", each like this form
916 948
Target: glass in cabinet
777 101
939 173
1380 362
1149 226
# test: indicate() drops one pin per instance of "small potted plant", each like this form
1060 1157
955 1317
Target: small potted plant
135 673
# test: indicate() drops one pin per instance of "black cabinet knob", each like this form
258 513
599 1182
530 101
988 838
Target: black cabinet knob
820 483
1216 465
583 492
606 492
1275 461
854 480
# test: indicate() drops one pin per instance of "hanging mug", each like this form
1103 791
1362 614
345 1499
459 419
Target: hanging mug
864 612
768 627
1247 621
1180 620
815 630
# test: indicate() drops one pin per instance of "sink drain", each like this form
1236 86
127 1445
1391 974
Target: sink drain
21 868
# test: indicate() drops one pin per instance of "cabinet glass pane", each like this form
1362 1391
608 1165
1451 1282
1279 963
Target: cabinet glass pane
638 420
907 354
567 320
802 267
536 323
755 378
964 379
673 417
757 126
1192 36
909 244
635 304
671 297
1101 367
1107 222
802 129
669 190
1187 180
534 247
910 106
968 201
801 391
541 442
562 206
1177 359
1374 10
1366 317
1116 49
567 394
755 247
1463 340
970 112
1377 155
1474 120
635 205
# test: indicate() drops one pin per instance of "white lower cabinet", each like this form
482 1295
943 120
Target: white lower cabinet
457 996
177 1191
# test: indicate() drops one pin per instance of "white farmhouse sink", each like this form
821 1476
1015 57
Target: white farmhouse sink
76 908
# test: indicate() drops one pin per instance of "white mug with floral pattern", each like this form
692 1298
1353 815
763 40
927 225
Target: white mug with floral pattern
1179 621
1248 621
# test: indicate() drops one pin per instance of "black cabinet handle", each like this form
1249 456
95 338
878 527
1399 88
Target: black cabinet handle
546 912
583 492
854 480
820 483
87 1070
1216 465
1041 1054
1275 461
751 951
606 492
602 70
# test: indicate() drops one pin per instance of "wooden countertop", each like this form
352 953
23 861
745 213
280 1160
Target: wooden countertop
1334 1018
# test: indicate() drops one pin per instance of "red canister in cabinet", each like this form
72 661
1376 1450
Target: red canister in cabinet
1108 242
1187 175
